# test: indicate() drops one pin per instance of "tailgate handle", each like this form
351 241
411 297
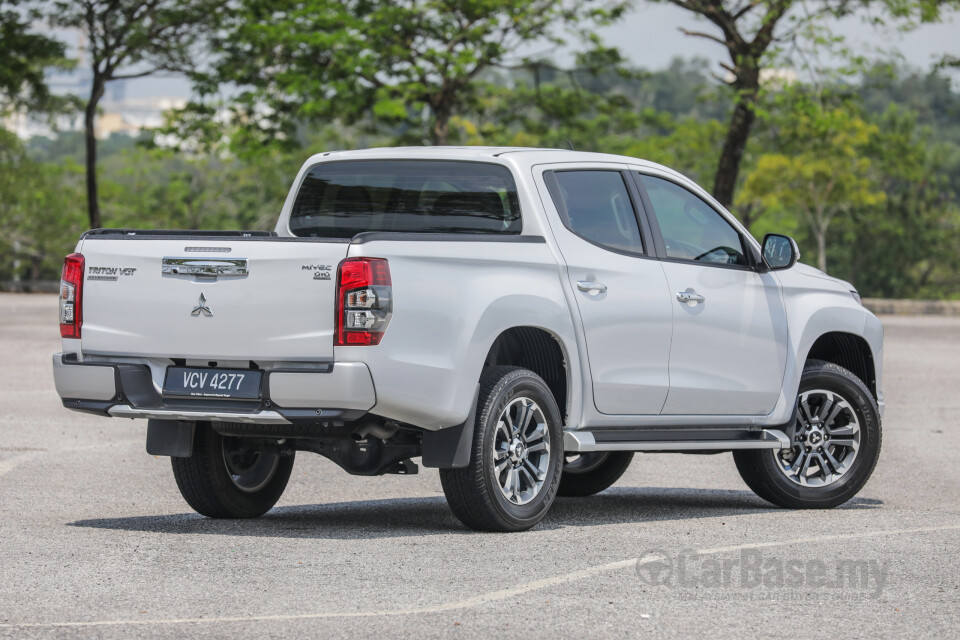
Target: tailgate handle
205 267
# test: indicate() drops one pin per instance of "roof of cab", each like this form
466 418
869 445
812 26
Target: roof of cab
527 156
443 152
435 150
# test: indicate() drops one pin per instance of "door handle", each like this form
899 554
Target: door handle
690 297
591 287
205 267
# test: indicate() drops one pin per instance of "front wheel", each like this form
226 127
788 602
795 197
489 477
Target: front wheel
835 445
514 469
228 477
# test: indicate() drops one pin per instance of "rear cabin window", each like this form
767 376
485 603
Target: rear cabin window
342 199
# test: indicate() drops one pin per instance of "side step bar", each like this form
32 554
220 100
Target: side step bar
673 440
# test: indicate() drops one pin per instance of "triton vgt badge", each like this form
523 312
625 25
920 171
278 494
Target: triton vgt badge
110 274
201 308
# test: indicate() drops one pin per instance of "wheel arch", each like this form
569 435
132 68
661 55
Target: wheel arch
538 350
845 334
847 350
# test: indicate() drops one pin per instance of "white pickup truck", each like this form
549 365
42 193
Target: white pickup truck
523 319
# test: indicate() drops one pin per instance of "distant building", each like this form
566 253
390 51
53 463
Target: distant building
772 78
129 116
119 111
777 77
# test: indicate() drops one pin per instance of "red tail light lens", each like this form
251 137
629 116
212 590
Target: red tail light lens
71 296
364 301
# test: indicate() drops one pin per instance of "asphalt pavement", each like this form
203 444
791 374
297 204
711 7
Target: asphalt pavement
95 540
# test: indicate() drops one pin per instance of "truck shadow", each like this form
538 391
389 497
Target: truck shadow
404 517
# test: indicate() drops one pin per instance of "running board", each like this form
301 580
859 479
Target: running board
673 440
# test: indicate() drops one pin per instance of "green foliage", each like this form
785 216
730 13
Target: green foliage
761 35
41 212
820 169
411 65
909 246
121 34
41 195
157 188
667 116
864 173
26 55
129 39
689 147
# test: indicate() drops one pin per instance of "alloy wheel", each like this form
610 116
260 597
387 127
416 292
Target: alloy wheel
521 451
825 442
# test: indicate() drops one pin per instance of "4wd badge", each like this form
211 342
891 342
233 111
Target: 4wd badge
320 271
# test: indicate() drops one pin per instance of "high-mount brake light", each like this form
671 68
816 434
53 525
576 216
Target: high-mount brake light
71 296
364 301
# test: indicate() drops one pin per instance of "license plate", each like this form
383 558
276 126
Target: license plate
212 383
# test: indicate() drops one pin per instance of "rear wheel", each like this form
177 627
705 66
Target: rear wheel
229 477
835 445
585 474
514 469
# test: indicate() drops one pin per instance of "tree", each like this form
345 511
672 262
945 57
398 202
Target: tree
412 65
129 39
908 245
38 212
160 188
554 110
823 171
26 55
752 32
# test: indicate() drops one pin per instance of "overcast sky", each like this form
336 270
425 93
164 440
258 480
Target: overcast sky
650 36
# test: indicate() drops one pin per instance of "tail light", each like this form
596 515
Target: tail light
71 296
364 301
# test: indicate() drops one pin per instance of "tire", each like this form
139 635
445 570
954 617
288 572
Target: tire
486 499
591 473
778 475
212 490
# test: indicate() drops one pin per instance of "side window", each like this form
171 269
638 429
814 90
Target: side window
692 229
596 206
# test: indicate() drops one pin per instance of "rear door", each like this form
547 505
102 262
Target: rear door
730 338
620 289
204 298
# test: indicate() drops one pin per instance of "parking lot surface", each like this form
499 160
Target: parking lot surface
95 540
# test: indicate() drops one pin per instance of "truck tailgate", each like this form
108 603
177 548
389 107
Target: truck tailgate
199 298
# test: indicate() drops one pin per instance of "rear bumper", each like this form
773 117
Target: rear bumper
341 391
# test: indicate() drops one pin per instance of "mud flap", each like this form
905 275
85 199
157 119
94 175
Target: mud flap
170 438
450 448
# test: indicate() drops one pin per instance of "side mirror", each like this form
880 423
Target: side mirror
780 252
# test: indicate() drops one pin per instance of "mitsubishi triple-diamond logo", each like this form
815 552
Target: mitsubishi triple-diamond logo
201 308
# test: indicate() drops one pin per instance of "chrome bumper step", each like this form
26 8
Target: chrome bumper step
259 417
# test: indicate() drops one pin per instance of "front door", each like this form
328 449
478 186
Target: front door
729 349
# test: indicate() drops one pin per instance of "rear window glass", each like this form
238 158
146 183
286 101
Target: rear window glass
596 206
342 199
